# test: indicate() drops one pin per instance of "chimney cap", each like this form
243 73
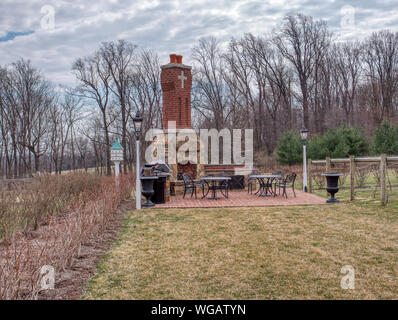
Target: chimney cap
179 59
176 62
173 58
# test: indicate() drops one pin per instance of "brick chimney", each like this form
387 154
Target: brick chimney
176 79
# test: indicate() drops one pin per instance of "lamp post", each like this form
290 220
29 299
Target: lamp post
137 120
304 137
117 157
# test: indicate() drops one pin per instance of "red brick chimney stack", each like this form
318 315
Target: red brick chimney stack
179 59
173 58
176 79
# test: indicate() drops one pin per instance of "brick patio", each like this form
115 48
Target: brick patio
243 199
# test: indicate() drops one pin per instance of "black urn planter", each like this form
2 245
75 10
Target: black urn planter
147 190
332 180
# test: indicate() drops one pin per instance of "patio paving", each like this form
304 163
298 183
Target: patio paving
243 199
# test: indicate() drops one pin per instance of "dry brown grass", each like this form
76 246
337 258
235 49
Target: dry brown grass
58 241
256 253
24 206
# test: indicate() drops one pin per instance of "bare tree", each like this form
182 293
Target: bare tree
303 42
35 98
145 94
63 118
380 54
256 70
346 73
118 57
94 79
210 98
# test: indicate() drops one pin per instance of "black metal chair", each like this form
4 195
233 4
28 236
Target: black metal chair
223 186
252 182
275 181
191 185
287 182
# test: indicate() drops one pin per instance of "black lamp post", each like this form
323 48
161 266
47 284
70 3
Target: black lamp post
304 137
137 120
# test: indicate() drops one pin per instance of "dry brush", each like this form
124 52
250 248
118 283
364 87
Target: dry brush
58 240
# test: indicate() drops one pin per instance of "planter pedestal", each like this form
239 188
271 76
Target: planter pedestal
332 180
147 190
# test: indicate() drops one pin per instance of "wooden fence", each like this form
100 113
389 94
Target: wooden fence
378 164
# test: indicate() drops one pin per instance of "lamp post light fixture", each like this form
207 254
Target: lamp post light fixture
137 120
304 137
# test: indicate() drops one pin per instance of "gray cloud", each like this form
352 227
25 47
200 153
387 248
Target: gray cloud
163 25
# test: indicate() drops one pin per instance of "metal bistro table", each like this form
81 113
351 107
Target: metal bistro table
213 186
265 181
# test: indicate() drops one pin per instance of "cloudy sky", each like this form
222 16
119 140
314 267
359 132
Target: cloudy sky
53 33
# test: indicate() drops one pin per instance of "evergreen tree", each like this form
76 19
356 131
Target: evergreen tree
289 148
386 139
338 143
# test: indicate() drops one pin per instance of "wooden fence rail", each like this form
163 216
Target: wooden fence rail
382 161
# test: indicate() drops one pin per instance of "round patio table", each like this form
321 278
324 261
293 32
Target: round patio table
213 186
265 189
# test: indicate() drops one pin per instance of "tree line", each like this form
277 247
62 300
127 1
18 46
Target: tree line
44 128
340 142
296 75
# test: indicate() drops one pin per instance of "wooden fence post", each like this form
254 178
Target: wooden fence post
383 185
352 178
309 175
328 164
327 170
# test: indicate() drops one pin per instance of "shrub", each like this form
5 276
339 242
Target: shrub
386 139
338 143
289 148
317 149
25 206
59 242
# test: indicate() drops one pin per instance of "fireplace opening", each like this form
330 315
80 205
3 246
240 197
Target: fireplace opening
189 168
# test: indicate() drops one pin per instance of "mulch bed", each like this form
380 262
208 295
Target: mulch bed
71 283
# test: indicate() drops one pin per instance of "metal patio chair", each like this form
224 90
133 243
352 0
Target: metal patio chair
252 182
191 186
287 182
223 187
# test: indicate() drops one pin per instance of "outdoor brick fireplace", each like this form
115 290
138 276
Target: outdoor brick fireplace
176 80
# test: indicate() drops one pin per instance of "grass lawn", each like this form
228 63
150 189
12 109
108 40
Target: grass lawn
253 253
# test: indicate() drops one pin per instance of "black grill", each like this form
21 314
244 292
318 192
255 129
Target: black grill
162 170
